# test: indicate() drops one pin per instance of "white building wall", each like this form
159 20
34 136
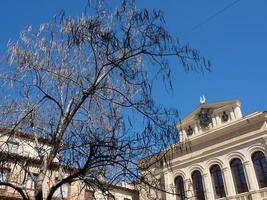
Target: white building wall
219 143
244 154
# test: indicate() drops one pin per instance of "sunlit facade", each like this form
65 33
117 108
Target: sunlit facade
221 155
22 148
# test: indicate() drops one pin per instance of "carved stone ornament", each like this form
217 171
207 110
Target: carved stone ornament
225 117
189 131
205 117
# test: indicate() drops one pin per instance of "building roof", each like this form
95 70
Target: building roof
118 187
215 105
23 135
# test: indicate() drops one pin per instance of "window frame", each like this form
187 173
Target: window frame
6 177
11 145
199 194
240 186
180 195
220 179
262 183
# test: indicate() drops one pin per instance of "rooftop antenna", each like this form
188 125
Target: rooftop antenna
202 99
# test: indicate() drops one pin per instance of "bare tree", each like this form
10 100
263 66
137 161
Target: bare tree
85 86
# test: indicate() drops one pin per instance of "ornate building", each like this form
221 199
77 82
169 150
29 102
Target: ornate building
221 155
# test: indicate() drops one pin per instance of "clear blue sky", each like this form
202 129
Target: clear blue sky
235 41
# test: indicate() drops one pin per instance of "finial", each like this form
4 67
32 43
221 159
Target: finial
202 99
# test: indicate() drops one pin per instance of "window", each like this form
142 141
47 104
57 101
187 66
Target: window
62 191
260 166
4 174
198 185
179 185
12 147
217 181
239 176
30 181
111 197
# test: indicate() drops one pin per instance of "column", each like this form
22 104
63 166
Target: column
189 193
208 186
237 111
218 120
169 184
214 122
228 182
195 129
232 115
251 178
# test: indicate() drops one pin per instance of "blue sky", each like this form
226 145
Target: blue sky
235 41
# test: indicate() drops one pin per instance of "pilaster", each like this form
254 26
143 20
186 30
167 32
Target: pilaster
251 178
228 182
208 187
218 120
232 115
237 111
188 188
169 186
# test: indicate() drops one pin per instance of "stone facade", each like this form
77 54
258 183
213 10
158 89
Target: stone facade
22 147
221 155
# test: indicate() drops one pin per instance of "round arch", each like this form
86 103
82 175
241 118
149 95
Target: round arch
215 161
233 155
195 167
254 148
179 173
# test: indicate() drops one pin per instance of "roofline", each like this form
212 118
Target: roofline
231 101
24 135
193 141
238 123
123 188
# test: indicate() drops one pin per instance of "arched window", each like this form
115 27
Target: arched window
217 180
198 185
260 166
179 184
239 176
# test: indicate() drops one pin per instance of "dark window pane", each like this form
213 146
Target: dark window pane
260 166
179 184
198 185
239 176
217 180
12 147
4 174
